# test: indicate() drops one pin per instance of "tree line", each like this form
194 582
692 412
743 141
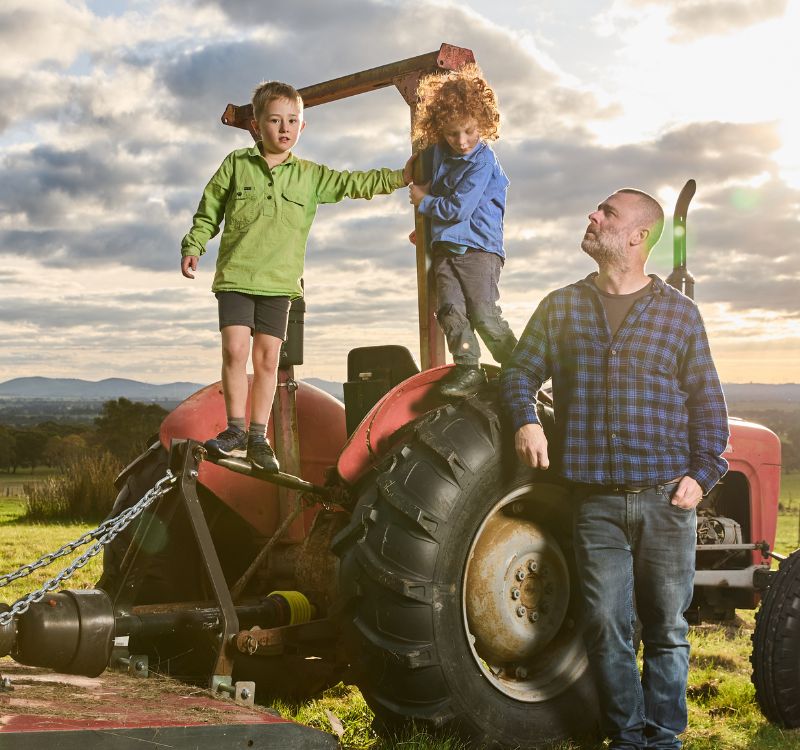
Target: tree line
123 429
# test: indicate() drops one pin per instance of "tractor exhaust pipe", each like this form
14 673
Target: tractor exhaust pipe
680 278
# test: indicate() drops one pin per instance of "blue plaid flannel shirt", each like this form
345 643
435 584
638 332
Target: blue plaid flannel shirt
645 406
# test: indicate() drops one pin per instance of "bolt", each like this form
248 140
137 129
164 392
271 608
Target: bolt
245 694
533 566
521 672
194 473
520 575
139 666
533 616
515 593
521 611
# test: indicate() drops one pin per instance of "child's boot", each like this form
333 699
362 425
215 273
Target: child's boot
464 381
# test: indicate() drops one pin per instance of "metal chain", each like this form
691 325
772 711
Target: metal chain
104 533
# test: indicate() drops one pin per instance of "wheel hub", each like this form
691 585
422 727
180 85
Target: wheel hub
517 597
518 589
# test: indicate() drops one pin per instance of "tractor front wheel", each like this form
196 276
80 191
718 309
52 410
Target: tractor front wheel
776 646
460 609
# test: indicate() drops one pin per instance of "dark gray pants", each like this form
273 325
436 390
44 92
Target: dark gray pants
467 289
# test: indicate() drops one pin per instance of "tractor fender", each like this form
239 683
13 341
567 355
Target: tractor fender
382 426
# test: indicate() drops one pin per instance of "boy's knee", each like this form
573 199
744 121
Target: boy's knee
235 353
486 317
451 319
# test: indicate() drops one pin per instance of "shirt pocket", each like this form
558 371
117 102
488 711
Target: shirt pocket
242 209
293 208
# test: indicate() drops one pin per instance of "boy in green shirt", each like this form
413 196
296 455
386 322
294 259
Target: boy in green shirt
268 198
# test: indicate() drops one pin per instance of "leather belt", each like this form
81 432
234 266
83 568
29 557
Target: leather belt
627 488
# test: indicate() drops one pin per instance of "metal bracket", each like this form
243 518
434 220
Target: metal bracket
136 665
241 692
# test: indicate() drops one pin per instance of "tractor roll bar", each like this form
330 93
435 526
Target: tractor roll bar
447 57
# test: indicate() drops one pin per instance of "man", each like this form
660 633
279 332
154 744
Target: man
640 426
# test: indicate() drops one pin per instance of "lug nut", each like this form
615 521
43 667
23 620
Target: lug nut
533 566
521 672
533 616
520 575
515 593
521 611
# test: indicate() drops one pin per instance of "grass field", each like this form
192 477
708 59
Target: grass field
723 712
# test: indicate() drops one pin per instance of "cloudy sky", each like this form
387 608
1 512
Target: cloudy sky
110 127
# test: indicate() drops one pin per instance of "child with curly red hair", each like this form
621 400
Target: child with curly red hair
465 199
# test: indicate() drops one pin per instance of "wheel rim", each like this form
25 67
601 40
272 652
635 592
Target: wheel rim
517 600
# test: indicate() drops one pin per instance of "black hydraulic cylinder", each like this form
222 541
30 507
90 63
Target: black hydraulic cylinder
71 632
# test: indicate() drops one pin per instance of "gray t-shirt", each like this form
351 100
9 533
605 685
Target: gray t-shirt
617 306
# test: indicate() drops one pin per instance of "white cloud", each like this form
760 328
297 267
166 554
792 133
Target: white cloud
111 128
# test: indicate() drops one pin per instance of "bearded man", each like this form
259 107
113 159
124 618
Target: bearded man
640 428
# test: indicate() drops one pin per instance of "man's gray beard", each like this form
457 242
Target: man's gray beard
603 252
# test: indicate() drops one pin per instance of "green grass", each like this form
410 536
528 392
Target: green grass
723 714
22 542
13 485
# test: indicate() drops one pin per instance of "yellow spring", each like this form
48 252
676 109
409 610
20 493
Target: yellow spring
299 607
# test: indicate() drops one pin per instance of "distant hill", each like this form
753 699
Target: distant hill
65 389
329 386
101 390
762 392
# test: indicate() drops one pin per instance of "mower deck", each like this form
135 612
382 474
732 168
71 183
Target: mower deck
121 712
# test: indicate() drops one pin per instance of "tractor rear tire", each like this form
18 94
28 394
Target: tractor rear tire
776 646
459 605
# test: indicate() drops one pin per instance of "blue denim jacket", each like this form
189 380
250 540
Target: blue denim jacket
467 199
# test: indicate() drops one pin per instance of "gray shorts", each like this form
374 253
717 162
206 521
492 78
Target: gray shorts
259 313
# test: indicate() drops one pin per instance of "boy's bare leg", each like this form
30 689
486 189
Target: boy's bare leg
266 352
235 352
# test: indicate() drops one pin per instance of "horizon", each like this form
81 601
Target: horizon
311 377
104 100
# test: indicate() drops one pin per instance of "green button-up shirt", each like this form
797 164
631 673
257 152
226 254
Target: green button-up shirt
268 215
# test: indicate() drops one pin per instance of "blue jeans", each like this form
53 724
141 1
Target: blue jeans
637 547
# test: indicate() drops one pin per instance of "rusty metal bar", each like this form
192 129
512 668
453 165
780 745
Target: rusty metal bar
197 520
287 448
447 57
242 466
265 550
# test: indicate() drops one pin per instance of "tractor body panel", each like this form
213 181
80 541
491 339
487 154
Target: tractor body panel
321 429
754 453
378 431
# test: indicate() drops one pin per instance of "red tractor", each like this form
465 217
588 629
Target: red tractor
403 548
